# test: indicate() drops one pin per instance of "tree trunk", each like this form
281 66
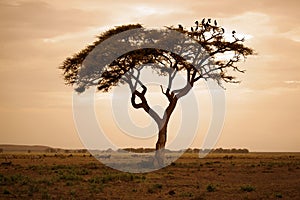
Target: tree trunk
162 135
160 147
162 123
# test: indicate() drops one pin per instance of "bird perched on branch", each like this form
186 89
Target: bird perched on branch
203 21
197 25
180 27
216 23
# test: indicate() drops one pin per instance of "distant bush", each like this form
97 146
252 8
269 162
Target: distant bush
154 188
6 191
278 195
189 150
82 151
211 188
220 150
247 188
157 186
138 150
50 150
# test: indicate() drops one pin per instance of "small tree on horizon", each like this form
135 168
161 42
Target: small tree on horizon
125 69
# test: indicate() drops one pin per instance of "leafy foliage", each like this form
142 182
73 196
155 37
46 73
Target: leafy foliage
73 64
221 57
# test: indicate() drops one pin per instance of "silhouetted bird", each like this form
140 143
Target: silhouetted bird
197 25
216 23
233 32
209 20
203 21
223 30
207 24
192 29
180 27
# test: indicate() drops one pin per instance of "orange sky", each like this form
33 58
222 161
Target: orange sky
262 113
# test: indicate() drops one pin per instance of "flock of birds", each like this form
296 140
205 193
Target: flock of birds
204 24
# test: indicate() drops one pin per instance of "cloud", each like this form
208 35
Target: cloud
293 34
292 82
38 19
36 36
75 35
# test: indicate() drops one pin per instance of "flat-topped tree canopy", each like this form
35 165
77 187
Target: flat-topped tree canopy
209 64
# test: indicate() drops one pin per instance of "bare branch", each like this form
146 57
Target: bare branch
144 104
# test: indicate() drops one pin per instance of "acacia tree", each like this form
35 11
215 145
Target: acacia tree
219 60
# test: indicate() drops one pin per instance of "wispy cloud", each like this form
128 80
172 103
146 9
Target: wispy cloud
77 35
292 82
293 34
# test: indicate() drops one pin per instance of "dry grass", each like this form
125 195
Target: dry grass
218 176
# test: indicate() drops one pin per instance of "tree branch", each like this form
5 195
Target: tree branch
144 104
169 95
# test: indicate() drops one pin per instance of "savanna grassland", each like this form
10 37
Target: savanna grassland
217 176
